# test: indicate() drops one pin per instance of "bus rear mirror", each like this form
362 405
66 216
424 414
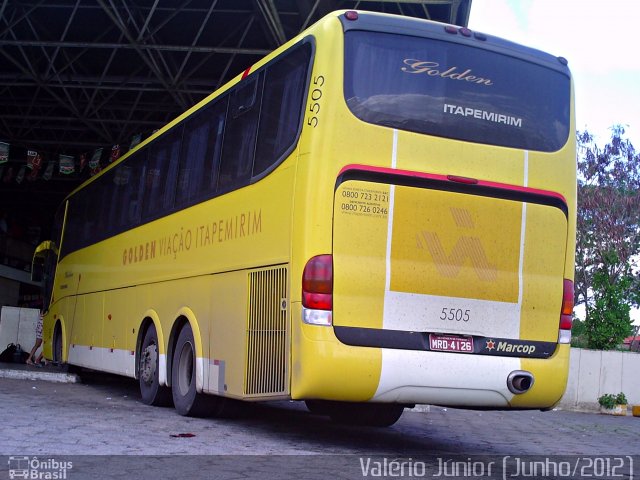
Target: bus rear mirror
39 258
37 269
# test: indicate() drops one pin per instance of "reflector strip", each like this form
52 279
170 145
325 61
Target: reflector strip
392 189
523 230
406 175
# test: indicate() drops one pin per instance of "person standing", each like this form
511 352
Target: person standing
30 358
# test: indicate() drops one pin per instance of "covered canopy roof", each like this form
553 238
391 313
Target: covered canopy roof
76 75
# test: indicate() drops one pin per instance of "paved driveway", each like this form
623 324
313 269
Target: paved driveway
104 416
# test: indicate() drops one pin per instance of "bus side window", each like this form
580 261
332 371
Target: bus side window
112 207
127 189
56 230
81 227
240 134
209 179
92 205
73 228
200 157
88 218
104 229
116 187
135 188
160 175
282 106
192 158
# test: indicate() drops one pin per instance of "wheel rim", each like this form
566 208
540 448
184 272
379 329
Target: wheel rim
185 368
148 363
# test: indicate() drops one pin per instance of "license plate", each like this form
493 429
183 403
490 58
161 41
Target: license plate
447 343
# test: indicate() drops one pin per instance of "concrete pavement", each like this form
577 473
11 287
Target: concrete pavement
48 373
102 427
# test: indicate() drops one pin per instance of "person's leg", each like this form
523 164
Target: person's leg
33 351
41 360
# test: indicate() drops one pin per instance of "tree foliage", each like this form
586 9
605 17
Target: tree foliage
608 323
607 279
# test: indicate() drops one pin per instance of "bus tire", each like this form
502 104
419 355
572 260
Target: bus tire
366 414
56 346
186 399
318 407
151 391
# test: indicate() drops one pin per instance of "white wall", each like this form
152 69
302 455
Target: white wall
594 372
18 325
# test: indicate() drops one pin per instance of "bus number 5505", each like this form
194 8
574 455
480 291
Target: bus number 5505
457 314
314 106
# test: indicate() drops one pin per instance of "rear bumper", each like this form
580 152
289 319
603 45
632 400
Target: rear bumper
325 368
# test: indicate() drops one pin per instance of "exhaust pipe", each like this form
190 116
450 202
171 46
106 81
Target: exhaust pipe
519 381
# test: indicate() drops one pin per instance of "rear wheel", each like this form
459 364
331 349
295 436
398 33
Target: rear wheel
366 414
318 407
186 399
151 391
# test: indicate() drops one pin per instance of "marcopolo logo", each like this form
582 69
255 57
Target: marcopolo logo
515 348
41 469
508 347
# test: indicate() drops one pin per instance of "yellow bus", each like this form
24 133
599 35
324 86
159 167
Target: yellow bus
380 213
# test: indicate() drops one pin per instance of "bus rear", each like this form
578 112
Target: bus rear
438 249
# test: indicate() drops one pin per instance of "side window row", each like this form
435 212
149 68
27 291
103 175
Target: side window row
234 140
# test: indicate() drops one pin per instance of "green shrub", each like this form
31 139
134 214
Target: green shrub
621 399
609 400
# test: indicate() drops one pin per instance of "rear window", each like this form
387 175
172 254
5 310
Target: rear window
455 91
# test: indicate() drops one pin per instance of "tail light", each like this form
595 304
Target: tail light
351 15
566 312
317 290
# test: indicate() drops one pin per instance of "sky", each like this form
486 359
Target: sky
598 38
601 43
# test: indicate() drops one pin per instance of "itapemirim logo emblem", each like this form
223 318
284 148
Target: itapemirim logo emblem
467 247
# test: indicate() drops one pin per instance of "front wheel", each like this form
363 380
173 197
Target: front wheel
57 345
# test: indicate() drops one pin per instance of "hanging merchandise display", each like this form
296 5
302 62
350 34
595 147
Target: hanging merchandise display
115 153
94 163
67 164
4 152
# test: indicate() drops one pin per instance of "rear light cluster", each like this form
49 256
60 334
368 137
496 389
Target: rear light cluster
317 290
566 313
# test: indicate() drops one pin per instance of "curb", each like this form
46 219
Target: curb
45 376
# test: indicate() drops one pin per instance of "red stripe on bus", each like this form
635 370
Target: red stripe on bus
445 178
245 73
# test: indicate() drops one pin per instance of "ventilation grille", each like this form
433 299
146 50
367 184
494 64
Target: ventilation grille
267 337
